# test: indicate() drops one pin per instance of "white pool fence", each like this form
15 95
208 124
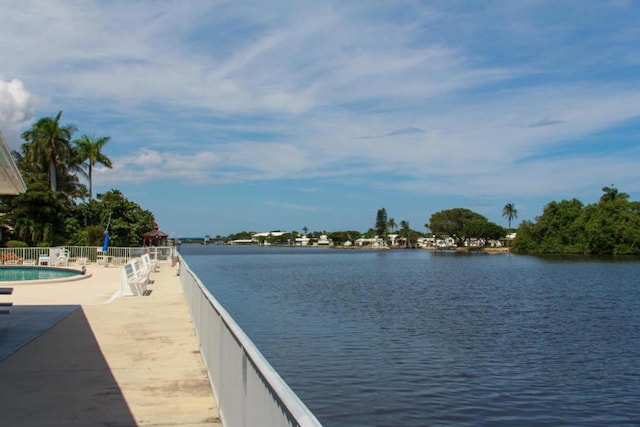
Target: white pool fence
63 256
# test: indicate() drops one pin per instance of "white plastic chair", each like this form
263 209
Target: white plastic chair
63 257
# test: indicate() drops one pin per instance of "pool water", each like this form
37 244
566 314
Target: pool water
17 273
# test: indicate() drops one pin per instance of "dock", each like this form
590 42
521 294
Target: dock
78 354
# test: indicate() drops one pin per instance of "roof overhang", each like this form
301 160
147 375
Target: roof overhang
11 182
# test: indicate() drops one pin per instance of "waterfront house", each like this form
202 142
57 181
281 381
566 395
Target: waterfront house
262 238
302 241
324 240
374 242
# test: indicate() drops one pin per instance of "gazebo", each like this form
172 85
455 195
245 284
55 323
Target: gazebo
155 237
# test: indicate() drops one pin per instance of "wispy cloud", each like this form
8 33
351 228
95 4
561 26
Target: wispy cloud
544 122
397 132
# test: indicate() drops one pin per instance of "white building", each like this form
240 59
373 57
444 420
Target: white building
324 240
374 242
302 241
11 182
257 237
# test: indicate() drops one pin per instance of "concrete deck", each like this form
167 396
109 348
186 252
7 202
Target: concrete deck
76 354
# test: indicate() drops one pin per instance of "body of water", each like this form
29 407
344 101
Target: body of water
416 338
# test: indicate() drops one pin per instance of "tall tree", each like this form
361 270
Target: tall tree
128 220
89 149
49 142
455 223
381 222
509 212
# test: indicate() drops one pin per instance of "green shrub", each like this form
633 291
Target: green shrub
16 244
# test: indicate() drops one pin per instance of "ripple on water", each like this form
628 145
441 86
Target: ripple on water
414 338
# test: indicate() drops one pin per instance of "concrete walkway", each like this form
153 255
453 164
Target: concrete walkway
76 354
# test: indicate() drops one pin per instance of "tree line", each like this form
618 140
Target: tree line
611 226
57 207
460 224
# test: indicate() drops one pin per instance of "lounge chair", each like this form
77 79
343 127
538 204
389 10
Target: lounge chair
150 265
135 284
141 270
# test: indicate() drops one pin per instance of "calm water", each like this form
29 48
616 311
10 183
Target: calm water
414 338
16 273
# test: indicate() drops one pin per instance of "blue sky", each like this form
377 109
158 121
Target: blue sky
253 115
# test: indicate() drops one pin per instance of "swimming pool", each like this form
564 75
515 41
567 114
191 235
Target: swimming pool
22 274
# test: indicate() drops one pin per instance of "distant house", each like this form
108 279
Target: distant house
374 242
432 242
302 241
241 242
262 238
508 239
426 242
324 240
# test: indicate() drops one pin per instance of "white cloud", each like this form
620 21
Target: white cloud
16 104
148 165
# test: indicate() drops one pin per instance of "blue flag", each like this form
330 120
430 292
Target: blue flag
105 245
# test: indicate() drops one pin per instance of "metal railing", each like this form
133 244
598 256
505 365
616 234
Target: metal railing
248 390
81 255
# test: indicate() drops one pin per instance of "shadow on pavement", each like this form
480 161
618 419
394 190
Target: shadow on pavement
27 322
60 378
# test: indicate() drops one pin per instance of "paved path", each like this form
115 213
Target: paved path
92 358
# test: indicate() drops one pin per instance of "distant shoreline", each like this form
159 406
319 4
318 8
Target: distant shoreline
487 250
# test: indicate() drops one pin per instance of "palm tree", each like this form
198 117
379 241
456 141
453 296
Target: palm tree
49 142
392 224
509 212
89 149
611 194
